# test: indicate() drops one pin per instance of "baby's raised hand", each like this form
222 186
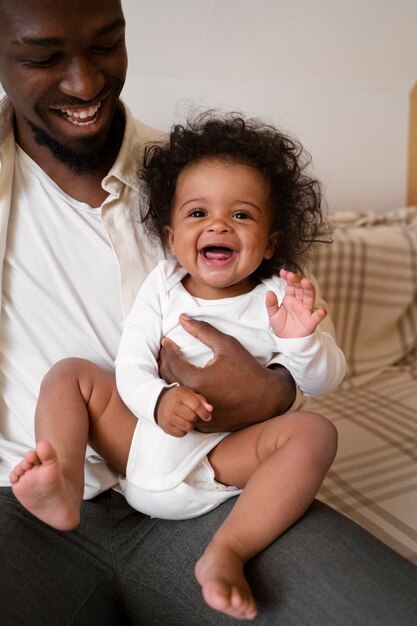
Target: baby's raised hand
296 317
178 410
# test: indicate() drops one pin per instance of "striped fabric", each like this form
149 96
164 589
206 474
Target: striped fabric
368 277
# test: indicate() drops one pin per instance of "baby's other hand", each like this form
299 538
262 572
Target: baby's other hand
296 317
179 408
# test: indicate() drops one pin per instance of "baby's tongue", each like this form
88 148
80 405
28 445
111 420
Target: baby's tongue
217 253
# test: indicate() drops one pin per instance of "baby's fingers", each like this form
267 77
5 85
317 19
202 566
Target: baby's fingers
291 278
204 409
318 316
195 406
271 302
306 292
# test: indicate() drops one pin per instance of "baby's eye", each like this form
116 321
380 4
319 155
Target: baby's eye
197 213
241 215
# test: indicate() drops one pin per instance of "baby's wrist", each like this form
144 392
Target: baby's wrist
158 412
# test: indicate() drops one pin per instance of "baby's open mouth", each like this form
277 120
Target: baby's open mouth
217 253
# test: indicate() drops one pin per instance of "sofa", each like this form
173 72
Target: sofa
368 277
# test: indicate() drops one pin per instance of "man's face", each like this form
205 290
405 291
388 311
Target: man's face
63 65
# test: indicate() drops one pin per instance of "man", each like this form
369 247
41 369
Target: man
74 252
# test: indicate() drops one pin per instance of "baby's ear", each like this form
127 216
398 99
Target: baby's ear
274 238
169 233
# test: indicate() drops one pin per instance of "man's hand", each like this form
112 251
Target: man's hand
178 410
296 317
241 390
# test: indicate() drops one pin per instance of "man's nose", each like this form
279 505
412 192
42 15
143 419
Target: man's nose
82 79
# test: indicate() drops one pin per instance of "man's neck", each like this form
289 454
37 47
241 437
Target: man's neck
85 188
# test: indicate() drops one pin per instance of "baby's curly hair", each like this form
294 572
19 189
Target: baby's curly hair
295 196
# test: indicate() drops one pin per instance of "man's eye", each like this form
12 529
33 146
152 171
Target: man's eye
111 47
44 62
197 213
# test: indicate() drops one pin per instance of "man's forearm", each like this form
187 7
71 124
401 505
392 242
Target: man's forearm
269 395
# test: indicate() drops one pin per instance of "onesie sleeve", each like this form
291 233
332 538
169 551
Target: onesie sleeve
315 362
137 375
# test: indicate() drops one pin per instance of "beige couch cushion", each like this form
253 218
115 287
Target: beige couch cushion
368 277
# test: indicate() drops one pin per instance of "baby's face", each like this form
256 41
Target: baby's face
221 227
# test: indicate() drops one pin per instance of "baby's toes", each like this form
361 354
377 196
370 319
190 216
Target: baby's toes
242 603
15 474
29 460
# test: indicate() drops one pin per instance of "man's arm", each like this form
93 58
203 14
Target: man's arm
241 390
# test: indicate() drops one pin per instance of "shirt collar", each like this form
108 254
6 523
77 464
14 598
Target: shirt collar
125 167
129 161
6 116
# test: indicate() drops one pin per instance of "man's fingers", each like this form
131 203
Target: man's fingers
204 332
172 365
170 345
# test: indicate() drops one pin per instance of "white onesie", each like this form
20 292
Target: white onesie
170 477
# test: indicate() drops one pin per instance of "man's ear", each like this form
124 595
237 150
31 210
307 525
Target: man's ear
274 238
169 233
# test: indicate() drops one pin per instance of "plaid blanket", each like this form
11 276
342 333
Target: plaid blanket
368 277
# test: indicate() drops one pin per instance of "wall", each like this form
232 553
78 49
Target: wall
336 74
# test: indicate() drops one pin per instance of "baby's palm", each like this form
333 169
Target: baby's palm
296 317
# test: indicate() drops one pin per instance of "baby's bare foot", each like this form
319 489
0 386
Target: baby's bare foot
225 588
40 485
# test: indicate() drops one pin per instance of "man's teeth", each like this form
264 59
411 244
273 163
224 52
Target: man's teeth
81 117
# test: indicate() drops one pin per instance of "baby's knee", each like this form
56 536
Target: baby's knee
319 434
66 370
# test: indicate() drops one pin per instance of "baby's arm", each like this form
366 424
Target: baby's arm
178 410
296 317
137 377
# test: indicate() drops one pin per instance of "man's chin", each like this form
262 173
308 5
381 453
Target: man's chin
88 156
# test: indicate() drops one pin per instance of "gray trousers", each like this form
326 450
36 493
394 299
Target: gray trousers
120 567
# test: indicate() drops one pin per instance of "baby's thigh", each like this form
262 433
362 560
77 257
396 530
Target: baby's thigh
238 455
111 423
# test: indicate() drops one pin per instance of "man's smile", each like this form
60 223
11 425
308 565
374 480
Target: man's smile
81 116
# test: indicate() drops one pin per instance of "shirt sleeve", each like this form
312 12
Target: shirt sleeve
137 376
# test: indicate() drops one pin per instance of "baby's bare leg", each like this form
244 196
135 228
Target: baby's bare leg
281 464
78 402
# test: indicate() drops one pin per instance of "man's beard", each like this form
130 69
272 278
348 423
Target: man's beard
89 157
